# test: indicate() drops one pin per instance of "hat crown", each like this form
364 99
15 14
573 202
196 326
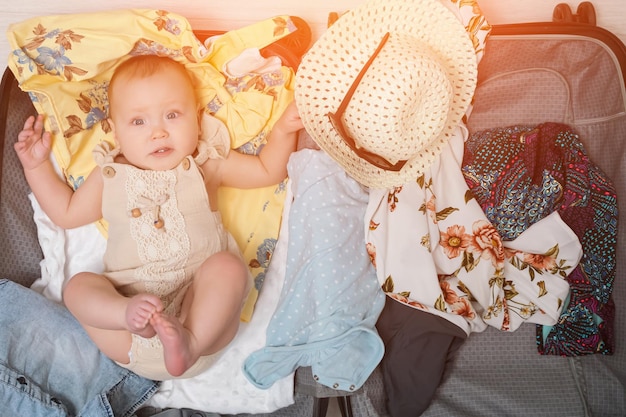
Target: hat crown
399 107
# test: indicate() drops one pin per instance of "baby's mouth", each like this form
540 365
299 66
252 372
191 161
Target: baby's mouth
162 151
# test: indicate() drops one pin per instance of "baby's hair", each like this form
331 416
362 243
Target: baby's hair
142 66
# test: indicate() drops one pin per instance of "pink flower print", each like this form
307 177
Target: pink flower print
431 209
449 295
463 308
506 320
454 241
487 243
509 253
540 262
403 299
371 251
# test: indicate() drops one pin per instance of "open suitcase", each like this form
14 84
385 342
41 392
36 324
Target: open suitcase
570 72
573 72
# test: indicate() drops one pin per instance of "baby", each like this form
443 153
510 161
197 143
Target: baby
174 281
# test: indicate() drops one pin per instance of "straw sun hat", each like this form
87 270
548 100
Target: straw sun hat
410 99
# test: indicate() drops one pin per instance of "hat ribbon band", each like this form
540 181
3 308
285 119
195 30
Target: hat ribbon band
337 121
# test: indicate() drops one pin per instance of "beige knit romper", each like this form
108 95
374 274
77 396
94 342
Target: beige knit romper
160 230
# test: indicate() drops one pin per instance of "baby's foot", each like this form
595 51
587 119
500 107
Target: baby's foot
175 340
139 311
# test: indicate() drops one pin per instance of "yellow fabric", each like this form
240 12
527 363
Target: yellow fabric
65 62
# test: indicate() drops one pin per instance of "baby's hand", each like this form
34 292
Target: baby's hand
33 145
139 311
290 120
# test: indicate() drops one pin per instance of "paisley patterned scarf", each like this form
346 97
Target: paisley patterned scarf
520 174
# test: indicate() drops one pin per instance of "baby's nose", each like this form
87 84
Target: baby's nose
159 132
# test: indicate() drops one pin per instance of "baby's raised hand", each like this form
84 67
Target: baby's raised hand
33 145
290 121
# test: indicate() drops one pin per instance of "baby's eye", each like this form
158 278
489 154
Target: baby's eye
138 122
172 115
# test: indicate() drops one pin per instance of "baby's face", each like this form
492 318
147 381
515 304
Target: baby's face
155 120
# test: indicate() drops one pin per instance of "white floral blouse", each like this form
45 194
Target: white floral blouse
435 250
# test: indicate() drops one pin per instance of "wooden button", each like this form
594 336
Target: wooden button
186 164
108 172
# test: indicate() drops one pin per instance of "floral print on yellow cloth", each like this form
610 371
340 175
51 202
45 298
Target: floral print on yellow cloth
65 61
435 250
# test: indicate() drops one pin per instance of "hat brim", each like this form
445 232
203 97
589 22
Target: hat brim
329 67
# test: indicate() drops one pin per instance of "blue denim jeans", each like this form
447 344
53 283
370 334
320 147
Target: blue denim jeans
49 367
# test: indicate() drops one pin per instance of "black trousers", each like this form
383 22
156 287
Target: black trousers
418 347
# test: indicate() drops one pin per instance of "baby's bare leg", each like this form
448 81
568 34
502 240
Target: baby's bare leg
108 316
210 313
